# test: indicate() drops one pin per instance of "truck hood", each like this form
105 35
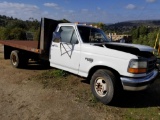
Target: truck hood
127 46
134 49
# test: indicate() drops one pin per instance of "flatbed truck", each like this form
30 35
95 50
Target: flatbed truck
85 51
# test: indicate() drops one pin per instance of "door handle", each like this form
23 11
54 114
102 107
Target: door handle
54 45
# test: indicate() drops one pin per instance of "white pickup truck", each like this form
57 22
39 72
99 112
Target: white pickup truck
110 67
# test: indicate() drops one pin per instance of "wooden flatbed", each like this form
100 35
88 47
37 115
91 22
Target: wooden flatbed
31 46
20 51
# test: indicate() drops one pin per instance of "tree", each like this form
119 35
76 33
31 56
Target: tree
64 21
145 36
2 29
37 34
100 25
6 34
17 24
135 33
143 30
18 34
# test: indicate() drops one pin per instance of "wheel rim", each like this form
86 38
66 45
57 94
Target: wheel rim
100 87
14 60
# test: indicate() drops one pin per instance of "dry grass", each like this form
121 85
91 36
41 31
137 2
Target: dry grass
130 105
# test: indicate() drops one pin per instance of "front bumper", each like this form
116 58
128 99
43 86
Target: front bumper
136 84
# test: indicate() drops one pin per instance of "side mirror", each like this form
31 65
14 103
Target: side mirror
56 37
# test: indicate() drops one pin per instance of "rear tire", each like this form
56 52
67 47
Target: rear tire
103 86
14 57
17 60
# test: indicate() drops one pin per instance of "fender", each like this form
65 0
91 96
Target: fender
119 65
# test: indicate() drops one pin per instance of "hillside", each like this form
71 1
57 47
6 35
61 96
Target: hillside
129 25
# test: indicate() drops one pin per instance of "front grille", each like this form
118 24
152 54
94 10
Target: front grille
151 64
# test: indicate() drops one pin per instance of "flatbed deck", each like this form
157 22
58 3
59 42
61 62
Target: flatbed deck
31 46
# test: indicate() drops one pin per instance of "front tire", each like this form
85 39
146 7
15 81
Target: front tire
103 86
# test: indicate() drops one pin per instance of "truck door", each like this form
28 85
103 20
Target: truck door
65 54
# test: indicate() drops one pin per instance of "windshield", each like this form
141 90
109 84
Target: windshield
92 35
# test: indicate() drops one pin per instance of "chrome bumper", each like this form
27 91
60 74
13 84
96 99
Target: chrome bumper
136 84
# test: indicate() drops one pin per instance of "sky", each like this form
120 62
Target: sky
106 11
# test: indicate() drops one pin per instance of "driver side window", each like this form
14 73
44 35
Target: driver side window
68 35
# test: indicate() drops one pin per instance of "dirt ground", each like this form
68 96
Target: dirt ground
24 99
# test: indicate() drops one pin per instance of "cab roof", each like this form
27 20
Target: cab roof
75 24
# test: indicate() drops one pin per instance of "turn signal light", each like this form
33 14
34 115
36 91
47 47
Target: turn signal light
137 70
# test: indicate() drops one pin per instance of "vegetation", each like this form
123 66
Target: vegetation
100 25
53 78
144 35
13 28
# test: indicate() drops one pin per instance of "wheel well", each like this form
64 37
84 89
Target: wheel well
8 50
117 75
95 68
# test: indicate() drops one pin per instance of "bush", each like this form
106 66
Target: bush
5 34
18 34
142 35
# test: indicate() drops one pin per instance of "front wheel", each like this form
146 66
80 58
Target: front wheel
103 85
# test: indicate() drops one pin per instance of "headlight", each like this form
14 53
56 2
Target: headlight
137 66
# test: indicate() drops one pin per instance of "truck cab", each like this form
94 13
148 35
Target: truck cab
86 51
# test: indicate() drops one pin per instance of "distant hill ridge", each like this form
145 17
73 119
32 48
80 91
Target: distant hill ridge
151 23
127 26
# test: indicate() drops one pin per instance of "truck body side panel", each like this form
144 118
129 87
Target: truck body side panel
30 46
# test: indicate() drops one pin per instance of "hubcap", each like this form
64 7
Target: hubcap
14 60
100 87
